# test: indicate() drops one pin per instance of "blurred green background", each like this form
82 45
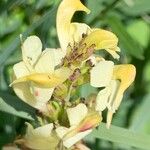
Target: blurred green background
128 19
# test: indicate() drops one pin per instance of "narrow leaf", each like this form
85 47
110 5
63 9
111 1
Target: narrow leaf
7 51
122 136
12 105
130 45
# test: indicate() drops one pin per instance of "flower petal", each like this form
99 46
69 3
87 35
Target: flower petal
46 80
103 39
62 131
102 99
126 75
65 13
114 85
77 30
58 55
22 90
31 50
72 140
20 69
101 74
42 96
41 137
80 111
46 62
34 96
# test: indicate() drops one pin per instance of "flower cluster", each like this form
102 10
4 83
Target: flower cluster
48 80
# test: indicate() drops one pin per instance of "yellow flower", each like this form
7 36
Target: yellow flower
68 32
116 79
81 124
35 77
41 138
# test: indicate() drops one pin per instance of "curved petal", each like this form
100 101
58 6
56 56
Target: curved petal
80 111
20 69
74 139
101 74
65 13
42 96
31 50
103 39
22 90
46 80
34 96
62 131
114 85
102 99
58 55
77 30
126 75
40 138
81 146
46 62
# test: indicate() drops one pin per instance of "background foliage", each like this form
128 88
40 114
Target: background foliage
129 19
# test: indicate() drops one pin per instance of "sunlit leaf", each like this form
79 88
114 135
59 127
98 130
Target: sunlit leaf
12 105
122 136
130 46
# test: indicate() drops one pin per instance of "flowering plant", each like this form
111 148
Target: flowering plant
48 80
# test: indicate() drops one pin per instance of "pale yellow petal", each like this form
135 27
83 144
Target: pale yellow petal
81 146
73 140
62 131
34 96
42 96
126 75
123 76
31 50
114 85
65 13
22 90
40 138
43 131
77 30
58 55
113 53
46 62
101 74
46 80
9 147
109 118
80 111
102 99
103 39
20 69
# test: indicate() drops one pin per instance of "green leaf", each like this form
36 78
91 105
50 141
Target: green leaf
141 36
12 46
130 45
141 118
135 7
122 136
7 128
12 105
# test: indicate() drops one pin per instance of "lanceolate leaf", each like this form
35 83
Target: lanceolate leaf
7 51
122 136
12 105
127 42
